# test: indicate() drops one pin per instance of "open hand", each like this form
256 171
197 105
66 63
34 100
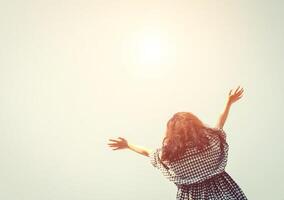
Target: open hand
118 144
235 96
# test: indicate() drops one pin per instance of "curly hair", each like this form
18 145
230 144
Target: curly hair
185 130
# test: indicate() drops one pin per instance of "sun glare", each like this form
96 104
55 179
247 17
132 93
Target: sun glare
148 55
150 51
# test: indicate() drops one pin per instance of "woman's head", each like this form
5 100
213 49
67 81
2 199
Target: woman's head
184 130
181 122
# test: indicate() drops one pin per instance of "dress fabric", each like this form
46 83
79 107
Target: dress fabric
201 175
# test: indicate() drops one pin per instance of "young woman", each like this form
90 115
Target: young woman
193 156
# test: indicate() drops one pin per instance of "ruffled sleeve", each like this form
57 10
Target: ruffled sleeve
154 157
157 163
223 133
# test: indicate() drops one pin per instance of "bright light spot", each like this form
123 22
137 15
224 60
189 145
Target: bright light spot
148 55
150 51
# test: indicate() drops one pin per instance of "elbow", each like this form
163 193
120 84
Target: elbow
146 153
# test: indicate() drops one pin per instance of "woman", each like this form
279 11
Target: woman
194 156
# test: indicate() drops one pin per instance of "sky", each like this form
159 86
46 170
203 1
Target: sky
75 73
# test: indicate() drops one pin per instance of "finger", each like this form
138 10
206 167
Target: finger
239 97
121 138
239 92
236 90
242 89
116 148
113 140
230 92
113 144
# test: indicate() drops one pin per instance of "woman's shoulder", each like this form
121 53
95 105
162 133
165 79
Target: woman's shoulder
216 132
222 133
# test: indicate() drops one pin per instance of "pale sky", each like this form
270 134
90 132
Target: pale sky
75 73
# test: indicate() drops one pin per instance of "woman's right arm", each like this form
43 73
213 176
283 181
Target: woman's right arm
124 144
232 98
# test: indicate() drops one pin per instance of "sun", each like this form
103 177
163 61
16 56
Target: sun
148 55
150 51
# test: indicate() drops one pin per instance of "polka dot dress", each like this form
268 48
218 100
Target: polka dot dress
201 175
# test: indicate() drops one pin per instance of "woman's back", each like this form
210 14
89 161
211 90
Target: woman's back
200 174
195 165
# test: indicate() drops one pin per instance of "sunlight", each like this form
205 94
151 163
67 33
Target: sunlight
150 51
148 54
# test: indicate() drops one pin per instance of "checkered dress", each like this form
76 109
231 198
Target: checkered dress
200 175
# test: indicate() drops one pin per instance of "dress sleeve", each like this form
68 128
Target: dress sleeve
154 157
157 163
223 133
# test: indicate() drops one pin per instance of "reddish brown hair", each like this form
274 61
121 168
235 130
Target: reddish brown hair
185 130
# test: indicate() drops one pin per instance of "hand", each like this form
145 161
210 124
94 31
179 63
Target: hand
118 144
233 97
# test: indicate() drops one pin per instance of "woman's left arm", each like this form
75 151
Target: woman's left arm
123 144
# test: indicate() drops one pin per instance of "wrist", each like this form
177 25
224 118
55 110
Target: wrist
229 102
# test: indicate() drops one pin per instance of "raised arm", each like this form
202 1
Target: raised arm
232 98
123 144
